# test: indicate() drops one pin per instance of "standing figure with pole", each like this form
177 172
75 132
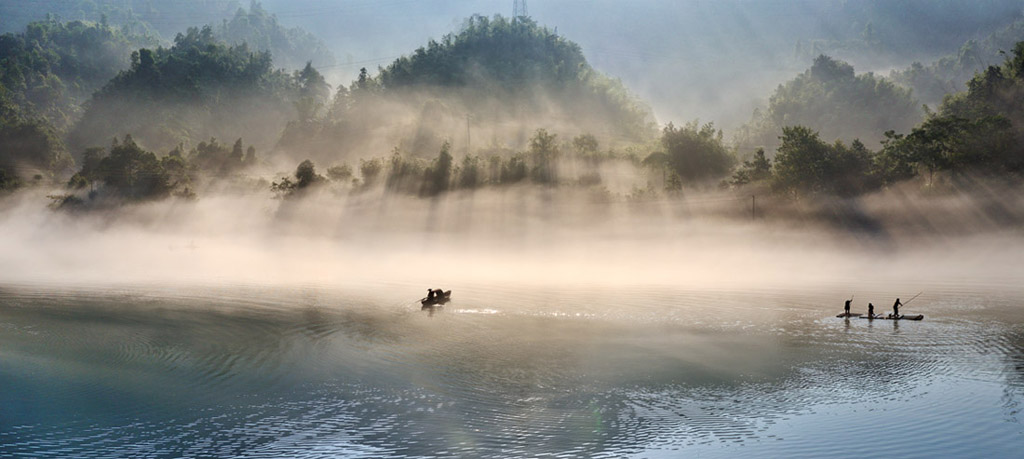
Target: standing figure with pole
897 304
896 309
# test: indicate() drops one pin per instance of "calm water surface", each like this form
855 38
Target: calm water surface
249 371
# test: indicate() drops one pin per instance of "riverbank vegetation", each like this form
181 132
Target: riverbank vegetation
499 103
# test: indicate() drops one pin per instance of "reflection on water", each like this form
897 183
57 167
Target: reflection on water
313 372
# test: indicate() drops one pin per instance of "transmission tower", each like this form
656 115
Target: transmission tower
519 9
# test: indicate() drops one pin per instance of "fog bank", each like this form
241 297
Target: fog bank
515 237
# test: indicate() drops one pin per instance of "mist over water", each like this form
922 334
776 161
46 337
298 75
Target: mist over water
527 236
237 326
312 371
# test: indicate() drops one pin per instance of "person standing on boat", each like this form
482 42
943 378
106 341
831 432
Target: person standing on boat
430 294
896 308
847 306
871 310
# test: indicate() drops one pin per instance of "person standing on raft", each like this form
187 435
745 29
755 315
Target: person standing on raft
847 306
871 310
896 308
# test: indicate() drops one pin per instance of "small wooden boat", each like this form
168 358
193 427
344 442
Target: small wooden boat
891 317
437 300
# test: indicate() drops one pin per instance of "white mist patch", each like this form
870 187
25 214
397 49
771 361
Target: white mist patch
515 236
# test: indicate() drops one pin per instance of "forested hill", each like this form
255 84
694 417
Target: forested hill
52 67
505 77
829 97
197 89
511 54
46 72
517 57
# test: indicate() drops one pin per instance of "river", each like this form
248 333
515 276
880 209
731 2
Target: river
246 370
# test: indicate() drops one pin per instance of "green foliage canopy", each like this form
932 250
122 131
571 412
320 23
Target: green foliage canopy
756 169
696 153
194 90
52 67
831 99
806 164
980 130
28 146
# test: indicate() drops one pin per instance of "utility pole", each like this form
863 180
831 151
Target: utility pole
519 9
753 207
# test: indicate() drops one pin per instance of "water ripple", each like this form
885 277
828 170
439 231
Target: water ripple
245 371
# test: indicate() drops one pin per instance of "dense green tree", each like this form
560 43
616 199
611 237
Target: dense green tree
958 144
544 154
696 153
893 162
305 178
312 95
806 164
470 173
437 177
133 173
305 174
802 162
756 169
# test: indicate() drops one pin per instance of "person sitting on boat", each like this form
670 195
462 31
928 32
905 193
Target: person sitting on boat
847 306
430 294
896 308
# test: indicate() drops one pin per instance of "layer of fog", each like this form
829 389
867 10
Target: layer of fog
511 237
